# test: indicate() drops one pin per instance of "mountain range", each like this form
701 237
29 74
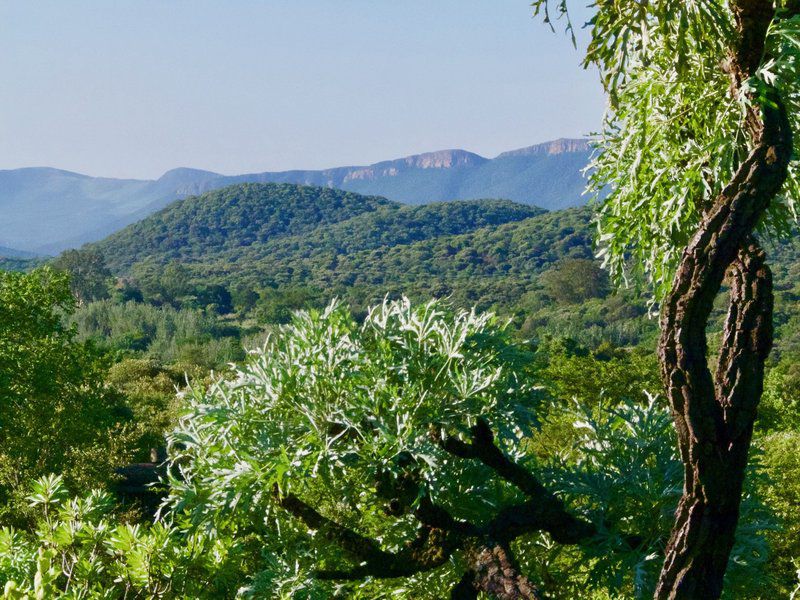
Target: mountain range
48 210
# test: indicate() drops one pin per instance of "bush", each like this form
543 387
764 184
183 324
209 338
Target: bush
335 413
80 549
56 413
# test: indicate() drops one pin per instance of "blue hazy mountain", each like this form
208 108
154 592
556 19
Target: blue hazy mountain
48 210
12 253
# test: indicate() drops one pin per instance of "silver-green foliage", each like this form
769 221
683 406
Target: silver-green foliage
329 408
672 136
329 405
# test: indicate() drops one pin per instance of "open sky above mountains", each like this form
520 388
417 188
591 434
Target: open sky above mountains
134 88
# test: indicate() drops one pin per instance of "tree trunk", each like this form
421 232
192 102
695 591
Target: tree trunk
493 571
715 460
714 422
714 416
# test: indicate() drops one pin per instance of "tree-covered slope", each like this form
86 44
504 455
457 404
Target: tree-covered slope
280 236
248 223
230 219
520 248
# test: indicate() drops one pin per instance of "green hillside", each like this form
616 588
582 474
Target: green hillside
252 222
232 218
496 258
263 250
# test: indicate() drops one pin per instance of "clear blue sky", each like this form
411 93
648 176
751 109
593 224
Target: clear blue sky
132 88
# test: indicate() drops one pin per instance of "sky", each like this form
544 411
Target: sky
133 88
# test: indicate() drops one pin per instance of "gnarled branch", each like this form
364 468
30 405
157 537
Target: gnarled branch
543 512
714 420
430 549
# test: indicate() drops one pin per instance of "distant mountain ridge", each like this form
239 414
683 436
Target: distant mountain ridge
12 253
48 210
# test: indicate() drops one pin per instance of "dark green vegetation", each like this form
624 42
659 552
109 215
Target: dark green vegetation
278 248
56 412
252 222
259 235
48 210
16 260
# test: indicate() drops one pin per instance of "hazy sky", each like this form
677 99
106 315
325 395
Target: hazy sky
132 88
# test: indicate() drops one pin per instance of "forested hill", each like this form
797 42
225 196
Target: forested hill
280 247
231 219
253 237
244 224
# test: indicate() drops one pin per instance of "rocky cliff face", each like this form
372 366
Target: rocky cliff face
559 146
443 159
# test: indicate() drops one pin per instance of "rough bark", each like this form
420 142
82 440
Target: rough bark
714 416
714 433
495 572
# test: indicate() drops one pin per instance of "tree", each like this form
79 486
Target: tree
407 457
369 432
89 277
698 148
55 411
575 280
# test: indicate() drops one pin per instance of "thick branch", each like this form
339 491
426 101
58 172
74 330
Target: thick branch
430 549
746 343
484 449
496 573
361 547
753 18
543 512
541 515
721 234
492 568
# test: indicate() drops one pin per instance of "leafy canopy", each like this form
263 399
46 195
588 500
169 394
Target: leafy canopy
55 412
672 135
332 411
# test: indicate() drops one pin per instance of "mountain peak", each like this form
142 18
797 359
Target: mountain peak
183 174
559 146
